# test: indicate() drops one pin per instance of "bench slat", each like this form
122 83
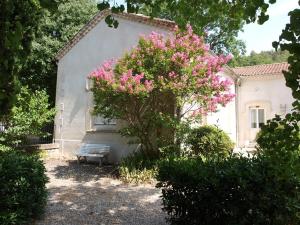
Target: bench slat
93 155
93 150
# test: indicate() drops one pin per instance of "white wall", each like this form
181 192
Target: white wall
73 119
268 92
225 117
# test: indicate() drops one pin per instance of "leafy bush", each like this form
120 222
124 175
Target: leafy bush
29 115
279 141
280 136
22 187
4 148
235 191
210 141
137 168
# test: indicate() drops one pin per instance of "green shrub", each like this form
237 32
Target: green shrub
22 187
234 191
279 141
29 115
137 168
209 141
4 148
280 136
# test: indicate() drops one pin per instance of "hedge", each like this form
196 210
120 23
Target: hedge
235 191
22 187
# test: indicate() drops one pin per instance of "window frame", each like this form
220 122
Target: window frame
257 119
104 125
106 122
93 123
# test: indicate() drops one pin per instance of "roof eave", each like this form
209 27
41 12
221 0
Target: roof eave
231 72
260 75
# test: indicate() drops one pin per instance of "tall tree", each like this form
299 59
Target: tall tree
219 29
19 22
289 40
219 20
56 28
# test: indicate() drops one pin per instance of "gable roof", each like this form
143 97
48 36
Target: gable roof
264 69
139 18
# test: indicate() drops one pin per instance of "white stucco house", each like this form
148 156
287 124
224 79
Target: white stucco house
261 93
260 90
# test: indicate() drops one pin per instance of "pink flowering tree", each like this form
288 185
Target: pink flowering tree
157 84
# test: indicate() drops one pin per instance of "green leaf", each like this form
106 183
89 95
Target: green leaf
109 20
262 18
122 8
103 5
275 44
115 24
115 9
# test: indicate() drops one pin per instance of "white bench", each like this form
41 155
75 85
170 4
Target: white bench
93 150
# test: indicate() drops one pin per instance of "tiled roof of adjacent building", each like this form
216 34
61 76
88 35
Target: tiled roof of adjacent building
265 69
161 23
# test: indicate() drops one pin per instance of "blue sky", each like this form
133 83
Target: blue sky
260 37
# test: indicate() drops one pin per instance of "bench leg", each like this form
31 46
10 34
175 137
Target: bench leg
106 158
100 162
78 159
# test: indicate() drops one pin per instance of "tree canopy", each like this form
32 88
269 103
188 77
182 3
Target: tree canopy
289 40
218 21
56 28
19 22
33 33
264 57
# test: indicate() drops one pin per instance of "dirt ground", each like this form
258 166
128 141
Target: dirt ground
88 194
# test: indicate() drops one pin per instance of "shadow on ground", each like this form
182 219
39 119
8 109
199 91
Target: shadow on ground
81 172
88 194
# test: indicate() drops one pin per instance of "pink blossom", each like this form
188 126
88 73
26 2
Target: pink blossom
157 40
172 74
125 77
187 68
189 29
104 72
121 88
180 57
138 78
149 85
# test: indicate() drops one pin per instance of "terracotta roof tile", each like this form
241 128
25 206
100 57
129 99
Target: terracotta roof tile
161 23
265 69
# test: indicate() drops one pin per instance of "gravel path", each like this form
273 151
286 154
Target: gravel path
86 194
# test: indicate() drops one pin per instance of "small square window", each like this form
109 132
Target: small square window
99 121
102 124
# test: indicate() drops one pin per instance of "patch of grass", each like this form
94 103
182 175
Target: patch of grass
138 176
43 154
136 168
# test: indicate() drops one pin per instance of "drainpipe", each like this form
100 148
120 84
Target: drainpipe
237 85
61 121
